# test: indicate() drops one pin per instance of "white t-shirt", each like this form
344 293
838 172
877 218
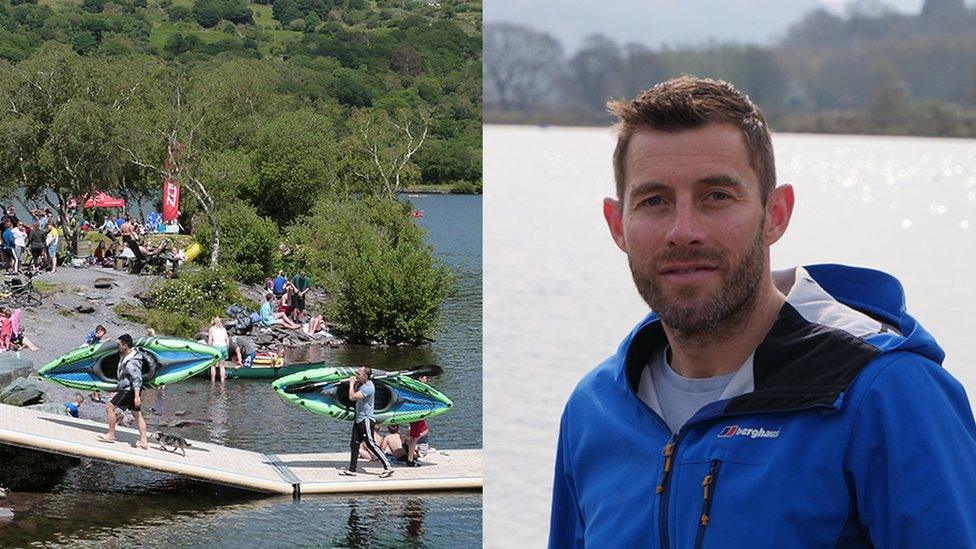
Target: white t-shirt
20 237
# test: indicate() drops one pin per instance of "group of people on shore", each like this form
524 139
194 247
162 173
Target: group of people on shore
285 302
112 224
40 236
126 232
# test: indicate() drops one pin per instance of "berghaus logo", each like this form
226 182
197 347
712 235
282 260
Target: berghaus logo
751 432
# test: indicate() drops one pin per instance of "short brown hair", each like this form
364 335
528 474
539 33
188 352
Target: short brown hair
690 102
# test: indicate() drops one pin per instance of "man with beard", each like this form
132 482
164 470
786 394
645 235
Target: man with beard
801 408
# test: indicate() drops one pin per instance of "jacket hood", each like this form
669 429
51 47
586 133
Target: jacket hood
881 296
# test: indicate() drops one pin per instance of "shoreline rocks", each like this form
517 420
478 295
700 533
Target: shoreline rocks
12 368
22 392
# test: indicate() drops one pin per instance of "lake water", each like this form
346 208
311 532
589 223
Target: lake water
559 297
105 502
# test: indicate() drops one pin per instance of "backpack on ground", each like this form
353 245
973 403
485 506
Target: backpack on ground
242 323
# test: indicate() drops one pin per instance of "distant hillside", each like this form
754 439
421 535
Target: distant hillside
419 55
873 70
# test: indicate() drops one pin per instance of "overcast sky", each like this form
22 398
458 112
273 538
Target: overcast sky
653 22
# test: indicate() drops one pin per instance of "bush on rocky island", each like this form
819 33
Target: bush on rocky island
372 256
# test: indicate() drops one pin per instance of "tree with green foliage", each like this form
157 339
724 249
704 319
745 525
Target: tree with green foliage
93 6
285 11
181 306
61 134
445 161
179 13
382 149
206 13
191 117
293 164
405 60
179 43
250 242
237 12
371 255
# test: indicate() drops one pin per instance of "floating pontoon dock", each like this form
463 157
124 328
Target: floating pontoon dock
292 474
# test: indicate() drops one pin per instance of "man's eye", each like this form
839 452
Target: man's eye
654 201
719 195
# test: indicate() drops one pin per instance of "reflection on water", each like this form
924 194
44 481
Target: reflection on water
104 503
199 517
217 429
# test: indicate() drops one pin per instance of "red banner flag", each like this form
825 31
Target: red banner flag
171 196
171 200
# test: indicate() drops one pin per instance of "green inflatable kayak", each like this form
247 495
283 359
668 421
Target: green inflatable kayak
399 398
167 360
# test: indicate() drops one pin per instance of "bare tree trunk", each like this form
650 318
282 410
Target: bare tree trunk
215 249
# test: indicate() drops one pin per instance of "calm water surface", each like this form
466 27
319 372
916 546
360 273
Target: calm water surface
559 296
121 505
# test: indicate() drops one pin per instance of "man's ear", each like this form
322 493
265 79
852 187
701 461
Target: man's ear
613 212
779 211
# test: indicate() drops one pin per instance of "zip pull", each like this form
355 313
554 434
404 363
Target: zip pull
706 484
668 457
709 479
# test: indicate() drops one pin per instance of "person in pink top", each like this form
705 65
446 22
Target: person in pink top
18 339
6 330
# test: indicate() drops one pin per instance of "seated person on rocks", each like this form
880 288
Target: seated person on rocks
19 340
271 318
241 351
286 304
317 323
98 254
392 444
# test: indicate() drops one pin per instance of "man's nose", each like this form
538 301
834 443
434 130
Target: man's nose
686 226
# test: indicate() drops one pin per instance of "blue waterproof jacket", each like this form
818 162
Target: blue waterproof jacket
851 435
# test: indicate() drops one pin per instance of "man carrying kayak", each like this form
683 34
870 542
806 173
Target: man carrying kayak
751 408
363 393
129 391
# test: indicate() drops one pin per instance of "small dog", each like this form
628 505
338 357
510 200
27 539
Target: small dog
176 441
